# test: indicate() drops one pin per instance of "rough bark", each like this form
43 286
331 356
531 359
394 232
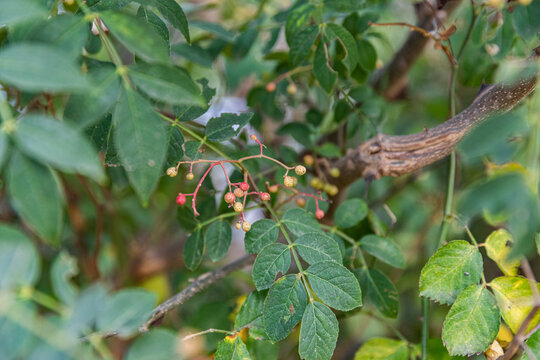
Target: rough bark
388 155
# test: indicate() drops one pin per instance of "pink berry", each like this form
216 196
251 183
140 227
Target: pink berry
244 186
229 197
265 196
319 214
181 199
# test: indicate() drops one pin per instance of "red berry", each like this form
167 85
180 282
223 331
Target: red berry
265 196
238 192
229 197
244 186
181 199
319 214
270 87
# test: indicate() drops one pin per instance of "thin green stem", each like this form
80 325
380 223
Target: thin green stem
8 121
44 300
350 240
208 331
223 216
451 178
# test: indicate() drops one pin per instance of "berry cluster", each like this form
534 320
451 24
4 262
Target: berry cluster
237 195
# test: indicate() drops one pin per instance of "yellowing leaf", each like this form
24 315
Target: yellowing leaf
505 336
498 246
383 349
515 300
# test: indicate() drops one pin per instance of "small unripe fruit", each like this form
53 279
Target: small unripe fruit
319 214
309 160
301 202
273 188
181 199
334 172
300 170
288 181
330 189
244 186
317 183
246 226
172 172
189 176
253 137
295 181
238 207
238 225
238 192
229 197
271 87
525 2
291 89
265 196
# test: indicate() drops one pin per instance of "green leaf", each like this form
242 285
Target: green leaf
141 140
299 221
226 126
515 300
193 250
166 83
215 29
299 131
174 14
284 307
378 290
498 247
367 56
232 348
175 151
472 322
21 10
86 309
318 332
151 18
384 249
350 212
383 349
85 109
323 71
316 247
136 35
4 148
452 268
525 19
157 344
297 19
36 196
63 268
194 53
251 310
188 113
329 150
273 259
125 311
533 343
335 285
16 336
301 44
67 32
40 67
58 144
218 239
19 259
263 232
348 43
